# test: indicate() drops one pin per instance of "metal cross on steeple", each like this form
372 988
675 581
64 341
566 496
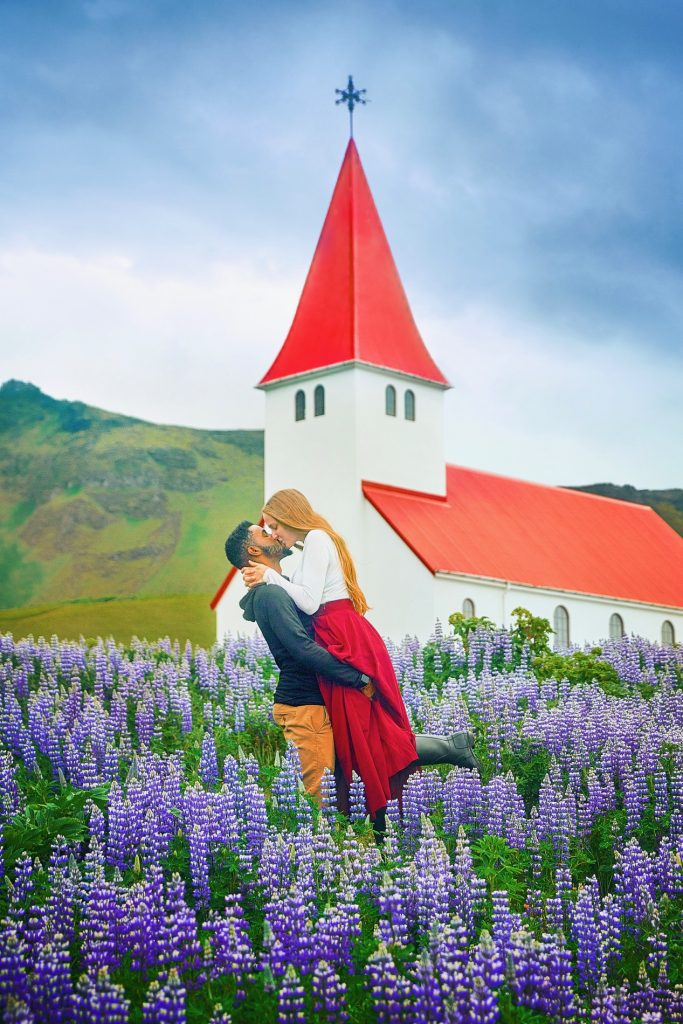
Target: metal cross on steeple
350 96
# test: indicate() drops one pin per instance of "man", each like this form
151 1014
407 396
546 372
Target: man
298 706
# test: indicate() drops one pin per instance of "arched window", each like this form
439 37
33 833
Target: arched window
668 634
319 401
300 406
409 405
468 608
616 627
561 627
390 400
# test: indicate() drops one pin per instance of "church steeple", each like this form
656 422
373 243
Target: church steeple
353 309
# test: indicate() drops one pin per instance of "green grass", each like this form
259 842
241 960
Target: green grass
181 617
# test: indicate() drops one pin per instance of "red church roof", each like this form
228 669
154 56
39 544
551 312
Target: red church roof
505 529
353 306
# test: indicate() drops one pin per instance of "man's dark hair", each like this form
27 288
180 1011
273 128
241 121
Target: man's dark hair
237 543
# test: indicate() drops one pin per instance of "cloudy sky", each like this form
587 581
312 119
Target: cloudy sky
165 168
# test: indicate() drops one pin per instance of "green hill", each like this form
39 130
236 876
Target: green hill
668 503
94 504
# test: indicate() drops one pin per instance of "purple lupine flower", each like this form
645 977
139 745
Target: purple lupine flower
589 951
142 925
561 1003
59 906
165 1003
13 964
335 932
488 963
275 865
22 890
10 798
434 882
328 792
179 946
98 999
199 865
603 1004
273 961
231 949
329 995
357 807
121 840
611 918
427 993
208 763
288 917
51 988
634 880
483 1003
393 922
503 920
291 998
101 925
326 855
256 817
661 793
390 992
16 1011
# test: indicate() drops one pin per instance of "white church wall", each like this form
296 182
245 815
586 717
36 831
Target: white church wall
589 616
399 588
317 455
327 456
392 449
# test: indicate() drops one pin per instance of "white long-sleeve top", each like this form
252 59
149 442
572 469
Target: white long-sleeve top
317 578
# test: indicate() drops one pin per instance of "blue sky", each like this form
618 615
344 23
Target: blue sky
166 168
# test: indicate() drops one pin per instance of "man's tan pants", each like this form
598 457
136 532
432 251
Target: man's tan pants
309 728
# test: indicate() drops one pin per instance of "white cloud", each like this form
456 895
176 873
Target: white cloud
557 410
166 348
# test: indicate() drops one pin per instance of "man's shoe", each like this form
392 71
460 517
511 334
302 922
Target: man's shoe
457 749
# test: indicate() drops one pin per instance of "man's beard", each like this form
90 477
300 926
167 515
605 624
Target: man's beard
276 551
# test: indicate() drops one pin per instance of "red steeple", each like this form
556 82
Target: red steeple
353 306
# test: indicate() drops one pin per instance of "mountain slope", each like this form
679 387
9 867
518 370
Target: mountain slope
96 504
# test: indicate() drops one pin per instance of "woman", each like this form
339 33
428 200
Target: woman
372 733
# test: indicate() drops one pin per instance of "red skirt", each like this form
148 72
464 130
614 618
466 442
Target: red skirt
371 737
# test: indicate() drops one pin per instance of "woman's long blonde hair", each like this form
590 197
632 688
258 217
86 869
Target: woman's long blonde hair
291 508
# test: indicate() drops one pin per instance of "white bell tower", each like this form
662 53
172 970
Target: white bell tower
353 395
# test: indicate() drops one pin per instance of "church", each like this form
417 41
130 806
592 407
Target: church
355 420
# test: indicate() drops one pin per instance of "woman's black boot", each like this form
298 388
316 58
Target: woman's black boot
457 749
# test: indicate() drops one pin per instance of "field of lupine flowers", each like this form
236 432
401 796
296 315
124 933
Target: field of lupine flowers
161 862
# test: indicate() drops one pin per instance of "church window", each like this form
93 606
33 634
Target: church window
300 405
561 627
390 400
319 401
410 405
468 608
668 635
616 627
